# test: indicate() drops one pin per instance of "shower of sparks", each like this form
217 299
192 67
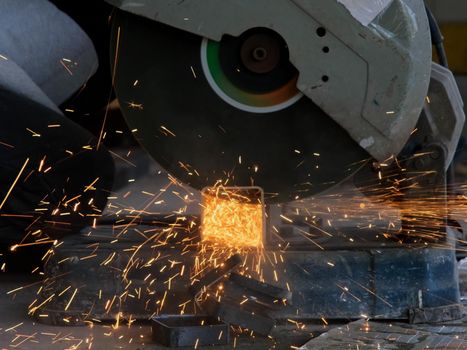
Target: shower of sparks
169 253
14 183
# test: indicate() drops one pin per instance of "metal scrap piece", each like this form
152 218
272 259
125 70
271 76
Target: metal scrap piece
215 275
231 312
249 304
189 330
261 287
371 335
435 314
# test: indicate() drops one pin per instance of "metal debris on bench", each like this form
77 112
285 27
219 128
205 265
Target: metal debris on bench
247 303
261 287
435 314
366 335
229 311
215 275
189 330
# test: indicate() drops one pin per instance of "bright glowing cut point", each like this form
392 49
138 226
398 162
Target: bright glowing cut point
233 217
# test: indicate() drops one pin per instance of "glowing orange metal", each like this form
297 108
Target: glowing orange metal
233 217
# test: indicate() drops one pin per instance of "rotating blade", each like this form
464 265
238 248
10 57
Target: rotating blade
200 138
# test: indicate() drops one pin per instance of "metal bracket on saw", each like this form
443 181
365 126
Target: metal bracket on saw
421 169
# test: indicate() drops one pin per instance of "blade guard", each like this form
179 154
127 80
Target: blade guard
371 79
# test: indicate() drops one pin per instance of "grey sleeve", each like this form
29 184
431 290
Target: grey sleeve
48 45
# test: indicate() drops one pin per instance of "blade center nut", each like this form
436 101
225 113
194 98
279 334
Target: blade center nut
261 53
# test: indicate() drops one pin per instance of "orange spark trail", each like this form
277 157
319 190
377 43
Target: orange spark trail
110 94
14 183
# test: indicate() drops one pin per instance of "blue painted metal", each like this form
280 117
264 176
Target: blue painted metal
378 283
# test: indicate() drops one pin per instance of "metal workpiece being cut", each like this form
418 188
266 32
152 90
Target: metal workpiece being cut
293 98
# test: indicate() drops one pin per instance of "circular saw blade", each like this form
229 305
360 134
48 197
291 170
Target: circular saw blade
200 139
